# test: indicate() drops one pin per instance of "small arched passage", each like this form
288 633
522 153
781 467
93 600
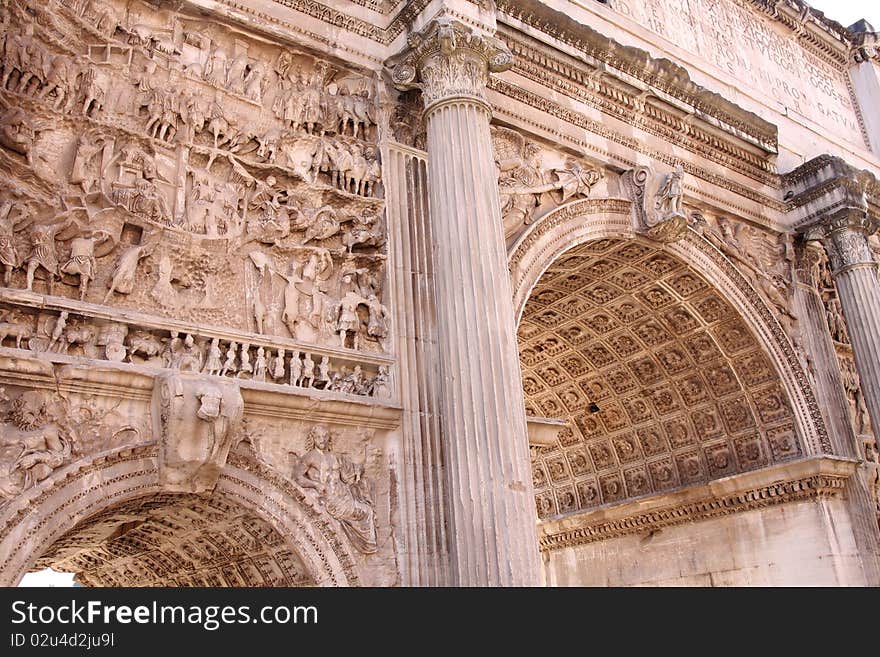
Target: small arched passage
668 367
107 518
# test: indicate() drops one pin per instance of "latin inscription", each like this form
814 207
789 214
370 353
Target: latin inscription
758 53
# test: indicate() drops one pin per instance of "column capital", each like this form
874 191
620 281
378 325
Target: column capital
448 60
838 203
845 237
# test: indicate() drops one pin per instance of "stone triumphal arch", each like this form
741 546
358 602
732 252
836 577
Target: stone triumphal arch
387 293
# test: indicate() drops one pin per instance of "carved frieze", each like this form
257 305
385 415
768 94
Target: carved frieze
42 431
151 159
280 363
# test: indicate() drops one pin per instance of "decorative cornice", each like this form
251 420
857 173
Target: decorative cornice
805 480
551 108
837 204
867 47
748 153
661 74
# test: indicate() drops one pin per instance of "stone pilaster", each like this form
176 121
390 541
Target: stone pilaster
844 235
492 533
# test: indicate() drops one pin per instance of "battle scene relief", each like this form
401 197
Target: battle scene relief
176 167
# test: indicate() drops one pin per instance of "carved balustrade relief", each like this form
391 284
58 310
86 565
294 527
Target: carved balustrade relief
183 201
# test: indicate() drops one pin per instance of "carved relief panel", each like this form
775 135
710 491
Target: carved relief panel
174 166
534 179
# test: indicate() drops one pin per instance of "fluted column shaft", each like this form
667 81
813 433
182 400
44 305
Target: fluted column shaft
858 287
492 533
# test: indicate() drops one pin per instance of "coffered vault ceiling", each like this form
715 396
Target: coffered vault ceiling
661 382
177 540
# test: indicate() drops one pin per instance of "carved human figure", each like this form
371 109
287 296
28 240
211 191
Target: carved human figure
374 171
215 72
33 444
235 74
323 380
57 334
353 382
229 363
776 293
163 291
834 316
172 351
244 361
851 384
190 359
60 80
196 423
260 365
347 319
290 313
88 145
253 82
259 311
363 111
270 222
308 371
670 194
296 369
43 255
277 372
377 326
82 260
170 116
872 467
380 387
340 488
93 91
17 133
312 114
12 216
123 277
213 363
364 230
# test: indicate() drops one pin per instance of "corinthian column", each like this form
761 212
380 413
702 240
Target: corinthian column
493 539
854 269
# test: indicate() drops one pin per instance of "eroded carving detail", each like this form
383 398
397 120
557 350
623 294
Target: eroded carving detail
196 423
340 487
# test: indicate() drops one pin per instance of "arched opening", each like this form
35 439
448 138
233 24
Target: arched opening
108 519
176 540
661 382
695 451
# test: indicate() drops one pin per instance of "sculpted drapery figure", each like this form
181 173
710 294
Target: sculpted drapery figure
32 444
340 486
669 196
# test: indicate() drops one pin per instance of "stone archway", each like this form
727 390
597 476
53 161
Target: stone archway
590 220
684 401
108 518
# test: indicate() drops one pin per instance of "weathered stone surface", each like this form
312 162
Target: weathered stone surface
373 293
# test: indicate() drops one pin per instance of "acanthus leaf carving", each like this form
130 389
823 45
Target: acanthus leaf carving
449 60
